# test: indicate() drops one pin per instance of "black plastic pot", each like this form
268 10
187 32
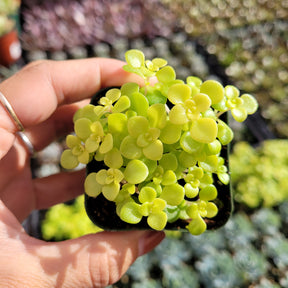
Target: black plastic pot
103 212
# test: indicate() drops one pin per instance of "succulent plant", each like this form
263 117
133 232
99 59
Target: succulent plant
252 263
159 145
219 270
180 276
240 232
259 174
266 221
277 248
213 242
67 221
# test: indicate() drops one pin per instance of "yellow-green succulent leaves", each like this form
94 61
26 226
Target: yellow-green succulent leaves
149 149
213 89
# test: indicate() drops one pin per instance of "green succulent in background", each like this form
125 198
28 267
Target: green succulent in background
160 144
6 24
65 221
216 16
7 9
9 6
259 175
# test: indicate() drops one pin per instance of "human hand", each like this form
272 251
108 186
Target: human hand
44 96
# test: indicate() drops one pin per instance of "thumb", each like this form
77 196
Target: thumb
95 260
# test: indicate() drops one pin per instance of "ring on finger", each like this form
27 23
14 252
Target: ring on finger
23 137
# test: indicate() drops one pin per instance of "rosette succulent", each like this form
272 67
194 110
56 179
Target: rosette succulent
154 154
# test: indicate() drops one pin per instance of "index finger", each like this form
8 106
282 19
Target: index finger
36 91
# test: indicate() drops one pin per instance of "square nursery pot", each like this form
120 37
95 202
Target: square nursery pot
103 212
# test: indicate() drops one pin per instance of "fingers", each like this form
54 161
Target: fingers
60 123
37 90
39 193
58 188
94 260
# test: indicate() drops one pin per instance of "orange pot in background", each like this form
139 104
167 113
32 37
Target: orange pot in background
10 48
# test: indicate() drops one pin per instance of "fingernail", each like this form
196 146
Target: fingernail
149 241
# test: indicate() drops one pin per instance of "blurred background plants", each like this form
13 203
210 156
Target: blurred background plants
239 42
259 175
8 9
67 221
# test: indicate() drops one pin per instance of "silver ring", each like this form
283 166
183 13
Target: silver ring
11 112
25 140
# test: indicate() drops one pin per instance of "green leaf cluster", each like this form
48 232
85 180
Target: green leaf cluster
67 221
260 174
160 143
